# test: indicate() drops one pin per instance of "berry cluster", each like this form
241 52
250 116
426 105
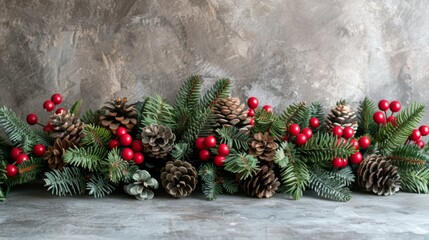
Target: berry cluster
380 117
417 134
301 136
49 106
132 149
203 144
253 103
18 156
343 135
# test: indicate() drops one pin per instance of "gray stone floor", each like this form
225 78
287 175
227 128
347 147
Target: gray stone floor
32 213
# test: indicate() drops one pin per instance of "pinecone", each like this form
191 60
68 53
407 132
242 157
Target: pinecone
263 184
229 112
67 126
342 115
263 146
377 174
54 154
142 186
157 140
179 178
118 113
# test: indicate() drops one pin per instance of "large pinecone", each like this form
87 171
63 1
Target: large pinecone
67 126
263 146
157 140
229 112
262 185
179 178
342 115
118 113
377 174
54 154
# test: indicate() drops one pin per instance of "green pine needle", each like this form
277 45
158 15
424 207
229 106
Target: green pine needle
295 178
181 151
28 171
189 95
234 138
114 167
157 111
408 156
195 126
99 187
88 158
366 125
283 154
69 181
220 89
91 117
243 164
298 113
268 122
416 181
316 110
96 135
76 108
326 186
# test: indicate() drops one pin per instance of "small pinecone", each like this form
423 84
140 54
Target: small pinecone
67 126
54 154
157 140
263 184
179 178
229 112
342 115
377 174
263 146
118 113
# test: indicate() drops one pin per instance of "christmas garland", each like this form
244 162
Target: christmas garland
213 142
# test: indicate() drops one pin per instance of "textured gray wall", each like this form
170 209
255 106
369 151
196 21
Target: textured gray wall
281 51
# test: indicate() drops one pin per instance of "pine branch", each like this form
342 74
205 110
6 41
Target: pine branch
91 117
316 110
88 158
195 126
158 111
96 136
114 167
268 122
69 181
28 171
298 113
76 108
408 156
283 154
344 175
181 151
211 189
230 185
220 89
391 137
188 96
328 187
416 181
243 164
234 138
366 125
99 187
295 178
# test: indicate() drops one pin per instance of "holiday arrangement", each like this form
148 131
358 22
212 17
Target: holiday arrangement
216 143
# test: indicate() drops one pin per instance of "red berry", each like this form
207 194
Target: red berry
21 158
11 170
137 145
348 132
395 106
32 119
337 162
138 158
364 142
383 105
355 143
424 130
126 139
337 131
210 141
294 129
252 102
252 122
223 149
204 155
379 118
345 162
120 131
268 108
39 150
14 152
421 144
392 120
199 143
127 154
307 132
301 139
219 160
56 98
415 135
356 158
60 110
48 105
314 122
48 128
113 144
250 113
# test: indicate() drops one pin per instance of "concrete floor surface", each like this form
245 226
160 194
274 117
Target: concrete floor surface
32 213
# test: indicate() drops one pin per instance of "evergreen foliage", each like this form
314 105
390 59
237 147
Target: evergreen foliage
316 110
88 158
220 89
98 186
91 117
28 171
366 125
181 151
195 126
298 113
408 156
243 164
157 111
295 178
268 122
416 181
213 184
96 136
329 185
114 167
234 138
69 181
76 108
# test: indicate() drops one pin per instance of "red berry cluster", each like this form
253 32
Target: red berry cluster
253 103
417 134
203 144
344 134
301 136
18 156
132 148
380 117
48 105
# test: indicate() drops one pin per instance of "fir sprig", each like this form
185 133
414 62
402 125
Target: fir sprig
328 186
408 156
76 108
96 136
298 113
316 110
366 125
295 178
28 171
234 138
69 181
243 164
158 111
416 181
88 158
181 151
269 122
114 167
220 89
213 183
98 186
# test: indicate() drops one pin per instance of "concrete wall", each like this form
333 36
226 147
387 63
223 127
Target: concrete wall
279 50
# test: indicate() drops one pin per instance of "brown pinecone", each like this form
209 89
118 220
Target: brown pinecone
377 174
263 184
342 115
118 113
263 146
157 140
229 112
179 178
54 154
67 126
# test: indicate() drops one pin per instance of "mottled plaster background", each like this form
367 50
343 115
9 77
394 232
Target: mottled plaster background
282 51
